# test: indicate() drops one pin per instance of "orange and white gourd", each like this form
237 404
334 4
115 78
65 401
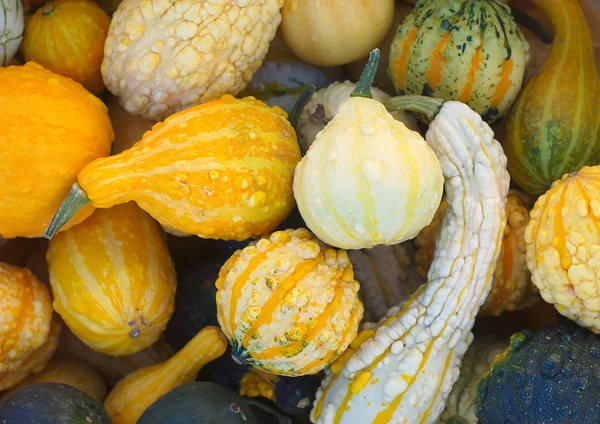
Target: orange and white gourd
113 280
288 303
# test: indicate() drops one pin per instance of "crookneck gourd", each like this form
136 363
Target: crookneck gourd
554 127
288 303
563 246
367 180
466 50
222 169
512 288
162 57
113 280
11 29
405 366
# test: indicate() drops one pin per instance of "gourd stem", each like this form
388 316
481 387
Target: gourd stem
281 418
426 106
363 87
299 107
76 199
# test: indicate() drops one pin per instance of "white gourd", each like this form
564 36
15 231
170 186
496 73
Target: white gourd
405 371
11 29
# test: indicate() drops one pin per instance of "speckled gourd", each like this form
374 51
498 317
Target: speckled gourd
288 303
405 368
11 29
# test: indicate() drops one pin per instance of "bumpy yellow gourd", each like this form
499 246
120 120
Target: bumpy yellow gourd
288 303
563 246
113 280
136 392
222 169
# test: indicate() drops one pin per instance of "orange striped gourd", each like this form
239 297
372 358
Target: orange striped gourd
220 170
113 280
466 50
288 303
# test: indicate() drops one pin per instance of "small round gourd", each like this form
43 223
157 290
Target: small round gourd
67 38
11 29
288 303
113 280
563 250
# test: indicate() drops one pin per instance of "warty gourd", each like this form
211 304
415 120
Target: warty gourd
405 369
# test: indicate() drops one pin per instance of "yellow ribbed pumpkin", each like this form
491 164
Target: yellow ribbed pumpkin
222 169
113 280
288 303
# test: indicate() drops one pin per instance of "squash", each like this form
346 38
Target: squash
402 369
562 246
72 372
367 180
288 303
547 377
466 50
512 288
335 32
161 58
324 104
136 392
40 160
67 38
129 129
223 169
51 403
25 319
113 280
462 401
554 127
11 29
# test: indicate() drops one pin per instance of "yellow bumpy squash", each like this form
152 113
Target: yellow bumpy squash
563 246
113 280
288 303
220 170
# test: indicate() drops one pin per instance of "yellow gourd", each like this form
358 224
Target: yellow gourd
113 280
136 392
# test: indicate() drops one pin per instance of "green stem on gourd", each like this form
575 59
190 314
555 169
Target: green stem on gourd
428 107
363 87
280 417
74 201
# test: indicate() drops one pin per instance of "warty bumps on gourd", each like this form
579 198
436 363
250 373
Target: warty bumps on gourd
163 56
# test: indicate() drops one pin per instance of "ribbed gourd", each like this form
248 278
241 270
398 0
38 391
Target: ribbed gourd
288 303
563 246
404 367
512 288
135 393
222 169
113 280
161 57
39 156
466 50
29 332
11 29
554 127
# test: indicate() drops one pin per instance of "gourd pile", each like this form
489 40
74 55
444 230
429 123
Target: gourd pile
294 211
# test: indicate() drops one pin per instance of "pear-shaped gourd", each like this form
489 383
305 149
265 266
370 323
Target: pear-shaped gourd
367 180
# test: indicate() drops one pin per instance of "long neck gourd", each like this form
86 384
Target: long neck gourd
405 367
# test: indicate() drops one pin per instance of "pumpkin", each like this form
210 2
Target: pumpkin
554 127
129 129
324 104
135 393
25 319
67 38
403 368
160 58
549 376
222 169
512 288
466 50
11 29
40 159
288 303
72 372
113 280
562 239
367 180
334 32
